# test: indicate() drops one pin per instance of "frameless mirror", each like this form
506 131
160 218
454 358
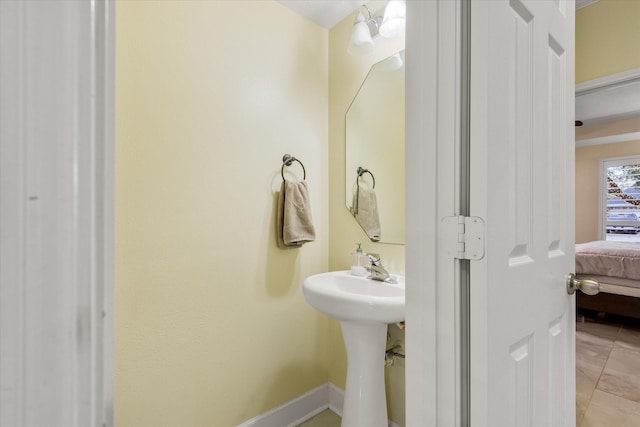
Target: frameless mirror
375 165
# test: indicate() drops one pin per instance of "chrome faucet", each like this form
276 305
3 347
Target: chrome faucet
377 271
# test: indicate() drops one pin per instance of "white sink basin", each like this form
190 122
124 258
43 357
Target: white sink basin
343 296
363 307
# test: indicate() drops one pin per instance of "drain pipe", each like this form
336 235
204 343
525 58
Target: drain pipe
391 354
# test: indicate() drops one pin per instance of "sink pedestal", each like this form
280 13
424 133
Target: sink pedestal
364 307
365 403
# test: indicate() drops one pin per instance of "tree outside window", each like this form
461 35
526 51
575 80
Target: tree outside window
621 199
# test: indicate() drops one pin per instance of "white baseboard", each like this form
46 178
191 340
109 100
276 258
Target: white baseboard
294 411
302 408
336 398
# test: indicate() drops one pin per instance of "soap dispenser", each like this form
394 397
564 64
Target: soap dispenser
359 262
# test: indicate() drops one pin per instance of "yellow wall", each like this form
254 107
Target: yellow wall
607 38
211 325
346 74
588 184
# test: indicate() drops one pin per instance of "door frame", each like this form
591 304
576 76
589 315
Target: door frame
434 141
62 203
105 18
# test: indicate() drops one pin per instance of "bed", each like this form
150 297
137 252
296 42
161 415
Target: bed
616 265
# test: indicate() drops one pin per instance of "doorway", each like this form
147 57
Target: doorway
607 344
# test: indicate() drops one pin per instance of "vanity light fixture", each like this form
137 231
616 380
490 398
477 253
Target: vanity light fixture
365 28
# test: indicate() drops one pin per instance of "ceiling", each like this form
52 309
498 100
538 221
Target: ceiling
325 13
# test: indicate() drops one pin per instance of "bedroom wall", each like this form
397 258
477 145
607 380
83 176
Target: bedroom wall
602 130
588 184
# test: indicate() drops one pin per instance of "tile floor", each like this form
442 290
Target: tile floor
607 375
607 372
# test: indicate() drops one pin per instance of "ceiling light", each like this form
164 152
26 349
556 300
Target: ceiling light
361 40
367 27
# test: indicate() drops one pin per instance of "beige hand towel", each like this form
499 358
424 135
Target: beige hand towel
294 224
365 210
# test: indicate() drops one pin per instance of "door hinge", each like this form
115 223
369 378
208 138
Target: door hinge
463 237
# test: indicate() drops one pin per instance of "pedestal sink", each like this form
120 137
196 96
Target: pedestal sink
363 307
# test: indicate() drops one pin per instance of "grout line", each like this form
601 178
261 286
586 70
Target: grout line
599 375
615 344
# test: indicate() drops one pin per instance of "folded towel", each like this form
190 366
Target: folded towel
365 210
294 224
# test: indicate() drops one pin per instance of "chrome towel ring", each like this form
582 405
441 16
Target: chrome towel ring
287 160
362 171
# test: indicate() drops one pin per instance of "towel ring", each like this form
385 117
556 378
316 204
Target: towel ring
287 160
362 171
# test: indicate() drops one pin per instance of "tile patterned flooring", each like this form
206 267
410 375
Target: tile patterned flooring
607 375
608 372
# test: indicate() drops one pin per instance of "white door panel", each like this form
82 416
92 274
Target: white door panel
522 319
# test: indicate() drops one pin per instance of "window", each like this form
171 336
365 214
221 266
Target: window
620 199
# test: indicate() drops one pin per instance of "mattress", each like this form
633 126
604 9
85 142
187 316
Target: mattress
611 259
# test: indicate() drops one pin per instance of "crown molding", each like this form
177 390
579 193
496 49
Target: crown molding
609 98
608 81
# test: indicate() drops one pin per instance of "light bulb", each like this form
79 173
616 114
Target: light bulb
361 41
394 21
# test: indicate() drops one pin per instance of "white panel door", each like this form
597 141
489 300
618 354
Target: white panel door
522 181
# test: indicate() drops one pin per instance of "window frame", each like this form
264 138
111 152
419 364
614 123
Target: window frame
604 165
